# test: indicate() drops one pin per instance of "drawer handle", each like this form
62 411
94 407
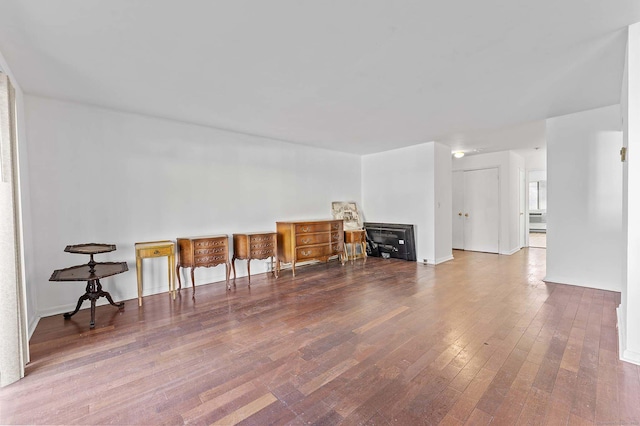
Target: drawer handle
336 236
306 252
156 252
306 240
335 226
305 229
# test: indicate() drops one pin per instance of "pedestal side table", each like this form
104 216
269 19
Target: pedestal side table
156 249
91 273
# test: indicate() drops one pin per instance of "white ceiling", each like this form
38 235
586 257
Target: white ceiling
356 76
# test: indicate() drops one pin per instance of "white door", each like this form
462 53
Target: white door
481 210
458 210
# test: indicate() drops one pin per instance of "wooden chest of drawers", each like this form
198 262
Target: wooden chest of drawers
300 241
253 245
195 252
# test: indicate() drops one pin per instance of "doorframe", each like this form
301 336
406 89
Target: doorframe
500 195
456 214
523 205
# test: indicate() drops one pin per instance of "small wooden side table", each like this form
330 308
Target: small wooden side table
254 245
207 251
353 239
156 249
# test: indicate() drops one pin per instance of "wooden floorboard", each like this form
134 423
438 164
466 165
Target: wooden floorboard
477 340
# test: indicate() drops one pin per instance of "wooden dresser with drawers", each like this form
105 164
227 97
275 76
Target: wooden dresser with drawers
253 245
195 252
305 240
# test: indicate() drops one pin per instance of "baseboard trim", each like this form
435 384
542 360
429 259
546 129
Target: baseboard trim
32 325
61 309
509 253
565 281
631 357
437 261
625 354
444 259
622 331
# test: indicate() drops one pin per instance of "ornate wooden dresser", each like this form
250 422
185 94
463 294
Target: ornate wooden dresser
300 241
253 245
195 252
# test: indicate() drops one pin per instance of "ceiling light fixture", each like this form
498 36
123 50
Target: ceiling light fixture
458 154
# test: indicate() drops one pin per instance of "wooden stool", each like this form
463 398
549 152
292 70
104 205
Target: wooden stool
353 239
156 249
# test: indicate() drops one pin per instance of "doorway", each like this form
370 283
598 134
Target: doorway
538 209
476 210
522 204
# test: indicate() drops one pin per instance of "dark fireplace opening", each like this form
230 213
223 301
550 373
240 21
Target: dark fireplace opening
390 240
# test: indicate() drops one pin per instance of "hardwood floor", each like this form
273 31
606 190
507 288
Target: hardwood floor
477 340
538 239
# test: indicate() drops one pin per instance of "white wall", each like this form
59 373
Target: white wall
535 159
537 175
516 163
412 185
111 177
584 199
508 164
397 187
442 205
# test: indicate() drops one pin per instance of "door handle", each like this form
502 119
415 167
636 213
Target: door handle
466 215
459 213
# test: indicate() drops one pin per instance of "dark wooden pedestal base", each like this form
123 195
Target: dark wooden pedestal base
93 292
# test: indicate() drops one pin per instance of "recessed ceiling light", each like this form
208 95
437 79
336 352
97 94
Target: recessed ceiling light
458 154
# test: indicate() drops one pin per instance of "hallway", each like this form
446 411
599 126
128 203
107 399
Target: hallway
538 239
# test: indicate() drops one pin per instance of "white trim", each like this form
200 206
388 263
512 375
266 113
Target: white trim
443 259
630 356
437 261
86 304
510 252
32 325
60 309
623 353
595 285
622 335
522 192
